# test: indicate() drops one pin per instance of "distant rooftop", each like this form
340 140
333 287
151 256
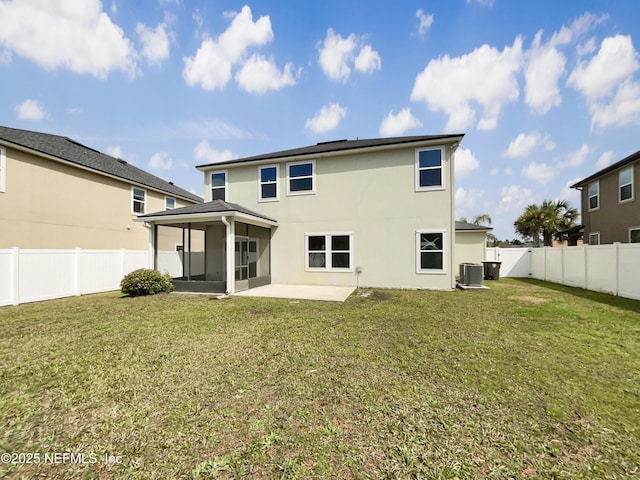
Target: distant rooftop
72 151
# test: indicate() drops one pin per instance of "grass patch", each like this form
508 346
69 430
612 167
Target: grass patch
527 380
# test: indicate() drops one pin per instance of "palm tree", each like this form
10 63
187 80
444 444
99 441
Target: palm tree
545 220
482 219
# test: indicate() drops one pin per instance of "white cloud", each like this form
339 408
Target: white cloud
259 75
542 173
425 22
155 43
466 200
576 158
451 85
75 110
115 151
515 198
482 3
206 154
624 108
544 68
210 67
465 163
615 62
578 28
525 143
368 60
327 119
78 36
604 160
396 125
337 55
160 161
31 110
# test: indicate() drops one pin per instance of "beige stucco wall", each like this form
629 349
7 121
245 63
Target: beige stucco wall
48 204
470 247
371 196
612 219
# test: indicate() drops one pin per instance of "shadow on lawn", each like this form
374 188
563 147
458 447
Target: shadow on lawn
608 299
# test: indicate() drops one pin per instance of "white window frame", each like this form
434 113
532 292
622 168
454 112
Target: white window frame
429 188
596 235
328 251
133 201
3 170
597 184
312 176
630 199
276 183
166 203
445 256
226 182
632 229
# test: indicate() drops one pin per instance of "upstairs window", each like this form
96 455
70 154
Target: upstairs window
594 238
625 184
139 200
594 195
329 251
430 251
219 186
268 184
429 169
301 178
169 203
3 170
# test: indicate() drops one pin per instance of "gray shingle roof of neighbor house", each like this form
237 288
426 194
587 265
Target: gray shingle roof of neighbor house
340 146
68 150
215 206
470 227
625 161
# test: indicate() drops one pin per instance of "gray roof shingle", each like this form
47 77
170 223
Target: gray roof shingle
339 145
216 206
71 151
470 227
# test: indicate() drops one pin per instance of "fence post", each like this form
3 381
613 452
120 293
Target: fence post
14 275
585 259
76 271
616 248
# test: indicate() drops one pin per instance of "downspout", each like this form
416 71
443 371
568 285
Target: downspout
230 271
452 206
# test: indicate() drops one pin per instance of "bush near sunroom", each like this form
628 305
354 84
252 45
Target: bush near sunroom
146 281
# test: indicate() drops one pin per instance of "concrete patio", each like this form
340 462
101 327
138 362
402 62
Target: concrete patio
300 292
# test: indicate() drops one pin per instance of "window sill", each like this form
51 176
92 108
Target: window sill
431 272
302 192
329 270
430 189
268 200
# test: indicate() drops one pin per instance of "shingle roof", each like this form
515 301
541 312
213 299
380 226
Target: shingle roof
468 227
339 145
625 161
71 151
216 206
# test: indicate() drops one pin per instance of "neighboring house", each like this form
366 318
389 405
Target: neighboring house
57 194
471 242
376 213
610 207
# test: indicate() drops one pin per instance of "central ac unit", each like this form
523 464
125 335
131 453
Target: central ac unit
471 274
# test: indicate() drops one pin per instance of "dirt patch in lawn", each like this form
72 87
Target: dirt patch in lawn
527 298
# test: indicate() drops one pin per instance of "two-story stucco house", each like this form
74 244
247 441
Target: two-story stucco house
610 207
376 213
58 194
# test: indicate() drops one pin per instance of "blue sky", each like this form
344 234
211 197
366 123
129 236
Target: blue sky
547 92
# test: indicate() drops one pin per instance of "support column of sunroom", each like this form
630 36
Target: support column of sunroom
230 239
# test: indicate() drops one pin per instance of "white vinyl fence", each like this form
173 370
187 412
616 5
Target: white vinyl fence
613 269
34 275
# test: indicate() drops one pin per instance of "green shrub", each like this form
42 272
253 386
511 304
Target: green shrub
145 281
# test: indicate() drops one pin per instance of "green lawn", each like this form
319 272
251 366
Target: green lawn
527 380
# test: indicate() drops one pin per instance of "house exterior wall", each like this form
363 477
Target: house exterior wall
470 247
370 196
48 204
612 219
